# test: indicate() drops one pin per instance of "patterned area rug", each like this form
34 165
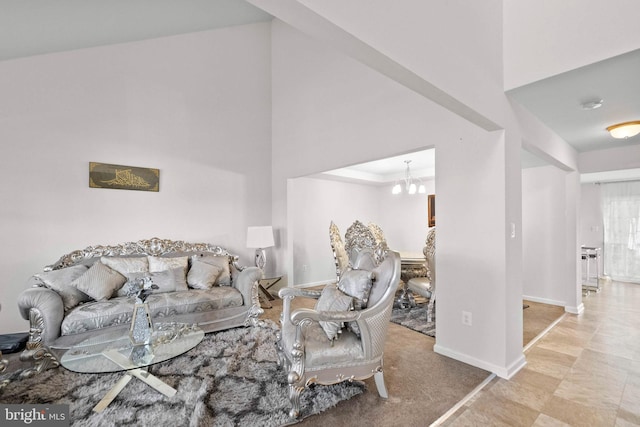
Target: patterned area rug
415 318
230 379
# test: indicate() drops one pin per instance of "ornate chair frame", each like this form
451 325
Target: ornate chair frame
372 322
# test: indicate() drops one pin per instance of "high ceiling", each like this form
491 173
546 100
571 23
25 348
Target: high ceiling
37 27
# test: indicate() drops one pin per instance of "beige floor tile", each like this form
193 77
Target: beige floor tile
590 393
522 393
473 418
622 346
560 347
602 363
578 415
547 421
630 402
548 362
569 336
624 423
536 379
504 410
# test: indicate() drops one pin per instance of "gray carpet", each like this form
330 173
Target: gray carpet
230 379
415 318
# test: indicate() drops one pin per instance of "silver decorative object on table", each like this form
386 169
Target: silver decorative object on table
141 324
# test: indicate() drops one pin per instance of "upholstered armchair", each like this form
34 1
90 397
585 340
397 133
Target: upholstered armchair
426 286
336 342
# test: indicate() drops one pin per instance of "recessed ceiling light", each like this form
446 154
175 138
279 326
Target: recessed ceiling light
592 105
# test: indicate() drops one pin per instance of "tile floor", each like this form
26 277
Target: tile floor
584 372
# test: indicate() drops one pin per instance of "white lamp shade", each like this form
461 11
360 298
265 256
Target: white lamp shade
260 237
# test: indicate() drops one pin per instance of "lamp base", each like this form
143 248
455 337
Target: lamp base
261 258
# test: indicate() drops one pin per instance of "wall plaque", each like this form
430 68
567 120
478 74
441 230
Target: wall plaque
103 175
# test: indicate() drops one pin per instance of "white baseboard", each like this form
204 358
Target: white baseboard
501 371
575 310
312 284
543 300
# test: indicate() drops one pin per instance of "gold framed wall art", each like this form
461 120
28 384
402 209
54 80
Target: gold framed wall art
431 210
104 175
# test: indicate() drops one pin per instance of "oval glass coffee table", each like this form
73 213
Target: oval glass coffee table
113 352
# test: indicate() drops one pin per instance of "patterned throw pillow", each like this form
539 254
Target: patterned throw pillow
222 261
357 283
332 299
202 275
157 264
172 280
99 282
127 266
60 281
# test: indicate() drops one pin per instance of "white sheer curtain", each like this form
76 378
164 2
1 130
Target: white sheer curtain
621 214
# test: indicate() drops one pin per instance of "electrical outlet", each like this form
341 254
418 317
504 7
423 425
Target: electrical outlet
466 318
305 268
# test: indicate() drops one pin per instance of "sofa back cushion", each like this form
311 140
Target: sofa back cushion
127 265
60 281
202 275
222 261
100 282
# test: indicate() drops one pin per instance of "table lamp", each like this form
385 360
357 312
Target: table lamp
260 237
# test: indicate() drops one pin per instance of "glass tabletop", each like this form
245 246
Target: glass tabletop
113 352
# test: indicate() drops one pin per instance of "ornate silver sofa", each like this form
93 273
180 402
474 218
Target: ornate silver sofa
211 290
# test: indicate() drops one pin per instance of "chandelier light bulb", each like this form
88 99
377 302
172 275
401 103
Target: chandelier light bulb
397 189
422 189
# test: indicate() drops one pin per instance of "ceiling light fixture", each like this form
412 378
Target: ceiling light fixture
409 184
625 130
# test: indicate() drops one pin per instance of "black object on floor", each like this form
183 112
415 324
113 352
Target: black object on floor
12 343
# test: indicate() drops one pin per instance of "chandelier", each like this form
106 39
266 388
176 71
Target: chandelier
410 185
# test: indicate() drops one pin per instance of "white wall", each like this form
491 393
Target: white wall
543 224
330 111
591 219
317 202
463 38
196 106
609 160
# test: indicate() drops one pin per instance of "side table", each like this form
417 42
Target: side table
265 284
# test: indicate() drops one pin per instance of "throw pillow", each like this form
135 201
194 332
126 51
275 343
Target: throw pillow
99 282
364 260
167 281
60 281
127 266
222 261
157 264
357 283
202 275
332 299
